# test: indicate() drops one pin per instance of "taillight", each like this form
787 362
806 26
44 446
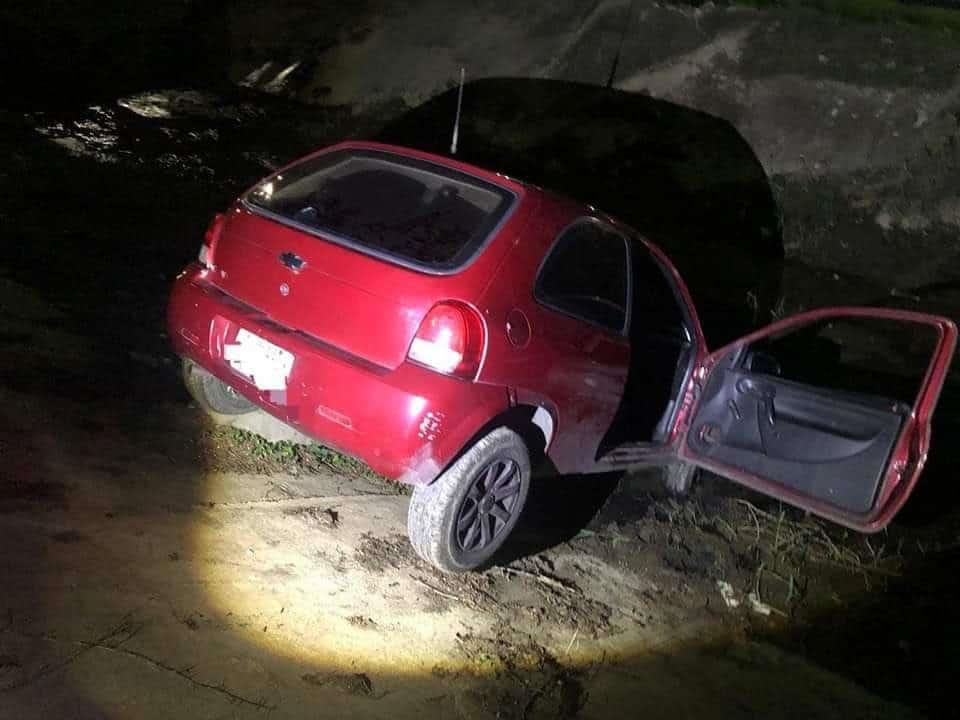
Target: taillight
450 340
210 239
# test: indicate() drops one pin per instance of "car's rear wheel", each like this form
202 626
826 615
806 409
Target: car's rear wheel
211 393
459 521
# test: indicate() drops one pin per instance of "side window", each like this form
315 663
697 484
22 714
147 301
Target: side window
585 275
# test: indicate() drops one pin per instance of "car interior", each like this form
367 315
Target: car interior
816 410
661 355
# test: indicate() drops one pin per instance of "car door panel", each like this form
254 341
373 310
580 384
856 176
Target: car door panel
851 457
833 449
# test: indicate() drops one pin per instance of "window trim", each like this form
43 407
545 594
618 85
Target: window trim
540 300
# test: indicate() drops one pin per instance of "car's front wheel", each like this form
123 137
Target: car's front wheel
460 520
211 393
680 477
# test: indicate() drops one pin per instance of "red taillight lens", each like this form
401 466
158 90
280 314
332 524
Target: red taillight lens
210 238
450 340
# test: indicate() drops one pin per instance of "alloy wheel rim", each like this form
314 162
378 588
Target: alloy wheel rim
488 506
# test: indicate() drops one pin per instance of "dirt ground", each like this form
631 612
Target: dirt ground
157 566
143 577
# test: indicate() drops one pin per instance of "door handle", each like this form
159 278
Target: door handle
759 390
763 394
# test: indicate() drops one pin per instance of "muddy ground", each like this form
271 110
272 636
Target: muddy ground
157 566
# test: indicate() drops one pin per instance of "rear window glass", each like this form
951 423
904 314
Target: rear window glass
414 212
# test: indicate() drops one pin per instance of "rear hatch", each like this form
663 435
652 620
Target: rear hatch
353 246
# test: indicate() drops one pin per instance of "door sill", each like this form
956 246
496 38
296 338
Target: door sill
637 454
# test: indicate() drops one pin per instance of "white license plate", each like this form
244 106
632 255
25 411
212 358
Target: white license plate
267 365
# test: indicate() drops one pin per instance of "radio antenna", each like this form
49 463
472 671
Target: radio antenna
456 122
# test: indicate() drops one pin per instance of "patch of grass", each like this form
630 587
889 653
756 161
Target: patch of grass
794 559
247 448
261 448
890 12
334 460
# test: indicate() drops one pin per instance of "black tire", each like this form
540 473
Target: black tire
211 393
460 520
679 477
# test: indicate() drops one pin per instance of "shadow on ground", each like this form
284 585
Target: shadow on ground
558 508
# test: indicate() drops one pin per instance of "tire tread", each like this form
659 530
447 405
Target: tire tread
430 510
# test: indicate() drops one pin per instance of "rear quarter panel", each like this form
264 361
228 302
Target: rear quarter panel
538 373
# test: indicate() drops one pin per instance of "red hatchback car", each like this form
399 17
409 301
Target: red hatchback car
448 325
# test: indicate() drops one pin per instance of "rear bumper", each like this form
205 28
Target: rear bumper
407 423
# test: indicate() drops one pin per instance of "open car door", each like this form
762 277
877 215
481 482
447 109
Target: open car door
828 410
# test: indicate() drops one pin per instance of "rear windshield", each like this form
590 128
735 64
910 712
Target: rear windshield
414 212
